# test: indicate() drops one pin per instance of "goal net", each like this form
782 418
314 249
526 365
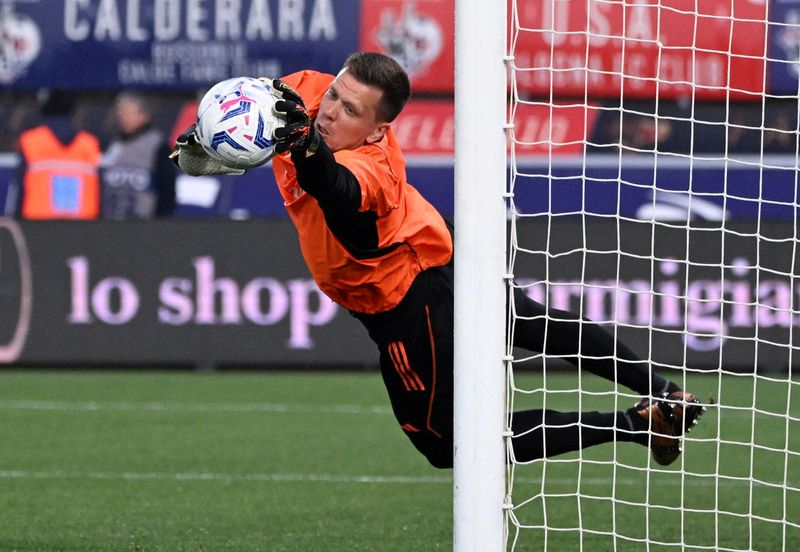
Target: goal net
652 188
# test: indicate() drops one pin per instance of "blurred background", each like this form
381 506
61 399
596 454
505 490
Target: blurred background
666 113
680 99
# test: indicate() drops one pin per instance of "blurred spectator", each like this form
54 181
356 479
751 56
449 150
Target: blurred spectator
138 177
781 134
648 133
58 169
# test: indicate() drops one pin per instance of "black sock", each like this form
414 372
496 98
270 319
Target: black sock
540 433
586 344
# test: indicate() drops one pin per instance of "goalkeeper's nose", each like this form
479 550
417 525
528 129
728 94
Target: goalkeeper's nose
328 112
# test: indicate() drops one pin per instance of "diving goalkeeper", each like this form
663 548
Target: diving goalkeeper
376 247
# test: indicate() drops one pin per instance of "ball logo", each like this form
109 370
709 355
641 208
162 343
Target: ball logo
20 44
261 139
236 119
240 104
224 137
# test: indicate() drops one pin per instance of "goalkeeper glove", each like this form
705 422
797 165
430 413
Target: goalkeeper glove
298 133
190 156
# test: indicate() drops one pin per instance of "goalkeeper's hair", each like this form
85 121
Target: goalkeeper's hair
385 74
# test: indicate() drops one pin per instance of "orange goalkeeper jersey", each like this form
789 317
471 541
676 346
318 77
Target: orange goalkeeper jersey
413 233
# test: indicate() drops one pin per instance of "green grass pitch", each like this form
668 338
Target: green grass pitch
280 461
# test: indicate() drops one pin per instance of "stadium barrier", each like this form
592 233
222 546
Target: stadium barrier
238 292
193 291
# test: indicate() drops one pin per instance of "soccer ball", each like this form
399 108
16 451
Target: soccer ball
235 121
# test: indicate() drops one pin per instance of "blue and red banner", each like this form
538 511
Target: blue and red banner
641 48
426 128
169 44
644 48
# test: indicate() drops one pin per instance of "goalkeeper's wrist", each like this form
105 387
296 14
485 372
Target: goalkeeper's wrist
311 143
306 146
312 152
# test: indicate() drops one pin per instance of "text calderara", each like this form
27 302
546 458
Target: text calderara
199 20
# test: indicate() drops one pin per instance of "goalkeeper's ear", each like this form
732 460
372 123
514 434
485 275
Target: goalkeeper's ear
190 156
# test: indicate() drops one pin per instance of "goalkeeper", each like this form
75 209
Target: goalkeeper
376 247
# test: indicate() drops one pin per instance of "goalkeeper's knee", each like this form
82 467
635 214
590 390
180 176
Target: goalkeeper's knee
438 450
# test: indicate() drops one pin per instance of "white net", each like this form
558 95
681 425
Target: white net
653 189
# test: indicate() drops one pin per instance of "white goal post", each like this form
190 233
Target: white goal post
643 156
480 174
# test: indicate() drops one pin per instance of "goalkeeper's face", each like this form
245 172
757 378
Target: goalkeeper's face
347 117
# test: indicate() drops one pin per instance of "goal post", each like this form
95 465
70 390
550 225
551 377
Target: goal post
643 156
480 291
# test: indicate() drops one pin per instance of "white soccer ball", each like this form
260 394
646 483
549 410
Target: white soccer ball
235 121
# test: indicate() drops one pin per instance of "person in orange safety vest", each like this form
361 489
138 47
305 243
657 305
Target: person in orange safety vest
59 169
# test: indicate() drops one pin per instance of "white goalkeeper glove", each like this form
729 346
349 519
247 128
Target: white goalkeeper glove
190 156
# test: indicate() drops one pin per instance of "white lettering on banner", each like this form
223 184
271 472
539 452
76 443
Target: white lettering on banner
640 22
176 307
79 280
99 300
108 25
136 32
597 48
428 128
167 20
205 300
262 301
227 22
252 305
674 71
138 71
199 20
290 19
75 28
196 16
259 22
208 287
670 304
303 316
323 22
535 129
193 62
421 132
127 299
